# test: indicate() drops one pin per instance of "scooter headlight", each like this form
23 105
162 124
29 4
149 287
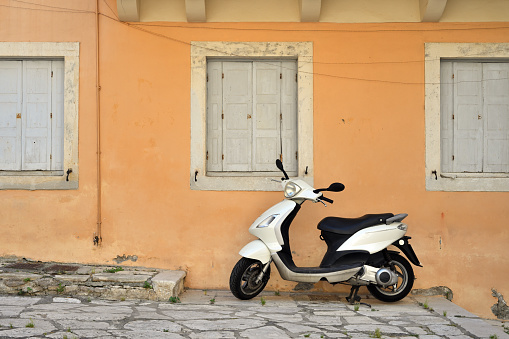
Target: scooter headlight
291 189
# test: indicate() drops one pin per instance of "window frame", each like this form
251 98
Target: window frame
202 51
436 180
69 52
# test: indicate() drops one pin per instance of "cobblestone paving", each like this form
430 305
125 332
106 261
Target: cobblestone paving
217 314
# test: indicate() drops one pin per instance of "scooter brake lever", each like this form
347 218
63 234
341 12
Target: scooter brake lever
322 202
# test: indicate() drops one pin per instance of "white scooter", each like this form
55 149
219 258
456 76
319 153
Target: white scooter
356 255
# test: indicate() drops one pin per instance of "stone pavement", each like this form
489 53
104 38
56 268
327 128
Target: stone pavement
217 314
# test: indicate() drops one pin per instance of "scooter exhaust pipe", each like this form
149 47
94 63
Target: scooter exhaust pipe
385 277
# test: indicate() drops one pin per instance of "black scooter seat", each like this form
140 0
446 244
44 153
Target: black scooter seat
352 225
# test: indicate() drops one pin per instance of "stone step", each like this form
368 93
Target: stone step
109 282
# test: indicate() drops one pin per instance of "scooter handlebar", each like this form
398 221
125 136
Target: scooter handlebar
326 199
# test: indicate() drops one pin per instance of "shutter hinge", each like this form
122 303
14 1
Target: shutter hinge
222 116
280 116
296 76
296 155
50 156
453 75
222 76
51 115
207 78
207 155
52 74
280 75
18 115
222 156
453 157
453 117
281 157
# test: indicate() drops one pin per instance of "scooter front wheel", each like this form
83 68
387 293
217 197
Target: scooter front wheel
243 283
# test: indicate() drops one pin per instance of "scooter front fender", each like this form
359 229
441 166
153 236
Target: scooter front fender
256 249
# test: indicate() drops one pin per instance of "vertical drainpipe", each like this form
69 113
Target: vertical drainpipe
97 234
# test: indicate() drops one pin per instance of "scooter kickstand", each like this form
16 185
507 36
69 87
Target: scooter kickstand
354 298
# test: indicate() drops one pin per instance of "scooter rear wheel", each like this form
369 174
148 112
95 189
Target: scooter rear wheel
404 285
243 278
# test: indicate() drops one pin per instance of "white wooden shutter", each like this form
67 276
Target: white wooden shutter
496 117
57 120
468 124
266 115
214 120
10 114
36 122
289 114
446 116
237 106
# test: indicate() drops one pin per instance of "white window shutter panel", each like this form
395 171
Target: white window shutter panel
289 113
237 106
10 114
468 124
446 116
214 120
266 115
36 122
496 117
57 120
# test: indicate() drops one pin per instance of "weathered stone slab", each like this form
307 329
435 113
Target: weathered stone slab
297 328
213 335
10 311
324 320
291 318
265 332
20 275
384 329
137 272
360 320
124 278
193 315
154 325
66 300
145 335
90 325
217 325
18 301
168 284
72 277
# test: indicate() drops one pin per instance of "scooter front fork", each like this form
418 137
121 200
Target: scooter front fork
262 273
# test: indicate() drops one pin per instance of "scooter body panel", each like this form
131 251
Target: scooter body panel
268 226
375 238
257 250
332 277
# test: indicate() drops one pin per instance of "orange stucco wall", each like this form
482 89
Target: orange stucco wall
369 133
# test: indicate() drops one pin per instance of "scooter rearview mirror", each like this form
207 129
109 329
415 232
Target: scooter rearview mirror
279 165
336 187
